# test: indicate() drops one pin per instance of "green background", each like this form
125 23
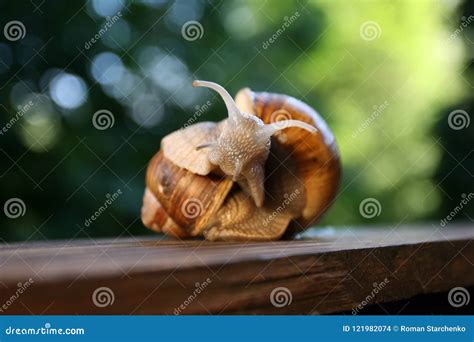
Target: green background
419 64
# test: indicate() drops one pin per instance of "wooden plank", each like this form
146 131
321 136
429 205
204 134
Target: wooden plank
328 271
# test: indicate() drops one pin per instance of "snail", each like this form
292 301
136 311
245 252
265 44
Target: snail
271 168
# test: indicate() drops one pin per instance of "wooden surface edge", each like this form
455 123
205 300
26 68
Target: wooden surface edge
322 282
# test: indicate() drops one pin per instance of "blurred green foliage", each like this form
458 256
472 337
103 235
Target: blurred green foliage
385 75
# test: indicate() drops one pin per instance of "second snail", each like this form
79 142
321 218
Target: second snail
270 168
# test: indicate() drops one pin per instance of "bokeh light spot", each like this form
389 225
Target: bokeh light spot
107 68
107 7
68 91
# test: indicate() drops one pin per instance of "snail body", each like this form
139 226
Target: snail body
251 176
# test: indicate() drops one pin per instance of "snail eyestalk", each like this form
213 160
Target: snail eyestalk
270 129
234 112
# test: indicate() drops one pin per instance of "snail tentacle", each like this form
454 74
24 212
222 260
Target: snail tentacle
234 112
270 129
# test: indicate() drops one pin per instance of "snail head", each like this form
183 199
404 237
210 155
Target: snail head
243 145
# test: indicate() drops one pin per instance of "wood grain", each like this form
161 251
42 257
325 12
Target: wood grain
329 271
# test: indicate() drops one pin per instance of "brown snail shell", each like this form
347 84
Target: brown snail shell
316 155
188 195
